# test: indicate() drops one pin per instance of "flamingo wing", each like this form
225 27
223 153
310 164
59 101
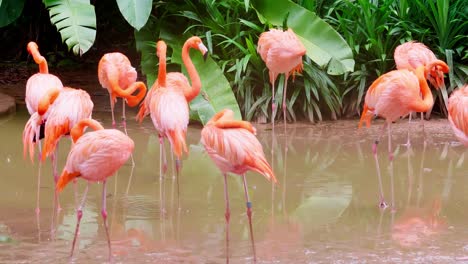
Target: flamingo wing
37 86
236 150
99 154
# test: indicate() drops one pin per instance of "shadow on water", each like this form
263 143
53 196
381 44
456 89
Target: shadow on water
325 208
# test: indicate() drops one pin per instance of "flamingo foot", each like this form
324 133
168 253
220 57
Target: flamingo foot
113 124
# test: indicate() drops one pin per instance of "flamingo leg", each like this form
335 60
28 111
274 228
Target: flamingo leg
178 164
422 124
249 215
285 109
79 215
162 171
382 203
39 172
227 215
124 123
390 157
104 216
54 163
408 141
273 102
112 109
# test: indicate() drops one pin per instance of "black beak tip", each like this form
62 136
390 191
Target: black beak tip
205 56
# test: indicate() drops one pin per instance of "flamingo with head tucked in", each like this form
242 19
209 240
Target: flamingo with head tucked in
393 95
94 156
117 75
282 52
411 55
233 147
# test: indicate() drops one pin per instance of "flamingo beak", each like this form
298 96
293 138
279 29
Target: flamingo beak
203 50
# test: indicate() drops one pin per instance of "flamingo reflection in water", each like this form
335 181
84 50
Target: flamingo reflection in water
233 147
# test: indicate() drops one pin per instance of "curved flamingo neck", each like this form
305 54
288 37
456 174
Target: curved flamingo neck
78 130
428 100
161 52
192 92
132 100
47 100
38 58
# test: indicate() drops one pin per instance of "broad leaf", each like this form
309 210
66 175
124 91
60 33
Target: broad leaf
76 22
10 10
136 12
324 45
216 93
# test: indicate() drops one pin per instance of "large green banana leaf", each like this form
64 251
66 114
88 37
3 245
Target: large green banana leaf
76 22
216 93
10 10
324 45
136 12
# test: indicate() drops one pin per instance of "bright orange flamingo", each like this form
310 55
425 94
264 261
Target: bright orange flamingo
116 73
393 95
458 113
282 52
410 55
233 147
168 100
94 156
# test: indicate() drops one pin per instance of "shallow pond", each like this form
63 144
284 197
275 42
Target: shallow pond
324 210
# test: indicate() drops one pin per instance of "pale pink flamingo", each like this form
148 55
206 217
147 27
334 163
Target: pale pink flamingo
116 74
233 147
458 113
168 100
40 86
282 52
94 156
393 95
410 55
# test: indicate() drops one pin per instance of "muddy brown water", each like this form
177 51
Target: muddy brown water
324 210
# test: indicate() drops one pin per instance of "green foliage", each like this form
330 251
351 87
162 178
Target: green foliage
136 12
10 10
324 45
76 22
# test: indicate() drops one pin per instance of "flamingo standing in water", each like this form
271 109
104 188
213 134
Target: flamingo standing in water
40 86
458 113
393 95
410 55
282 52
94 156
233 147
116 73
168 100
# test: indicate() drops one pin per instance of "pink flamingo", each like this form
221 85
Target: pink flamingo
168 100
393 95
410 55
458 113
94 156
116 73
282 52
233 147
41 86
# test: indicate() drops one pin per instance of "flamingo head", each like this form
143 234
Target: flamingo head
161 48
32 46
196 43
435 73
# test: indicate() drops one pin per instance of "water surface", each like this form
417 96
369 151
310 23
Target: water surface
324 210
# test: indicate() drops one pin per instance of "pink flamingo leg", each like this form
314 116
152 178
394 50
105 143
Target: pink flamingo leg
79 215
227 215
124 123
38 210
178 168
112 110
382 203
249 215
284 99
390 157
104 217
